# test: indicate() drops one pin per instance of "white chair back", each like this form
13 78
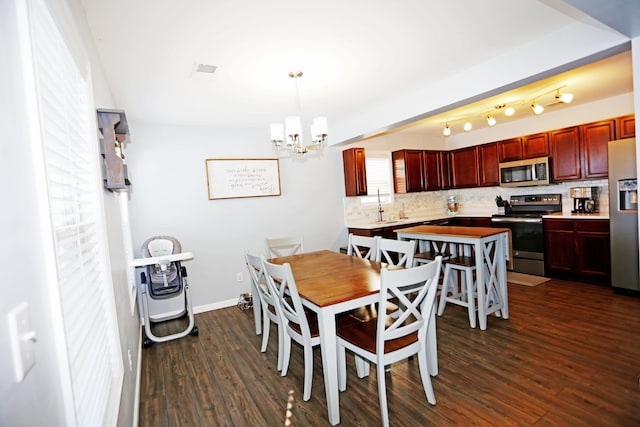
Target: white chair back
396 252
283 246
415 290
270 307
357 245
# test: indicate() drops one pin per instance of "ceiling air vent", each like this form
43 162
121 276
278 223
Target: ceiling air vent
203 71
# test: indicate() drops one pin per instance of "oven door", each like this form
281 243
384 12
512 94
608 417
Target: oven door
527 243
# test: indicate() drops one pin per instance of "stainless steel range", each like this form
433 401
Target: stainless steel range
524 219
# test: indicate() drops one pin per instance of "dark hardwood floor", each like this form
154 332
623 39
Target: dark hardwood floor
569 355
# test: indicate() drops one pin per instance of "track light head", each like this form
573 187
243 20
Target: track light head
447 130
537 108
491 121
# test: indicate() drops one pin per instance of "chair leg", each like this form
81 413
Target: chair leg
445 289
265 332
426 378
342 368
362 367
280 346
286 353
382 393
471 304
308 371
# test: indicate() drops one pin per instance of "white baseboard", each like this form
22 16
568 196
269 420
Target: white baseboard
215 306
136 402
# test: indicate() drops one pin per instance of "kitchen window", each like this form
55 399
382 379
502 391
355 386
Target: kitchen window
378 164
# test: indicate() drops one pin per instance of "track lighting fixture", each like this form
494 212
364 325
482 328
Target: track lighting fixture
537 108
490 120
447 130
565 97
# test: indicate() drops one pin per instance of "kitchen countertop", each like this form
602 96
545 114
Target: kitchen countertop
433 217
415 219
569 215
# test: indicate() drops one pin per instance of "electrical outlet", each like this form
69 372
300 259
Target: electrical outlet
239 276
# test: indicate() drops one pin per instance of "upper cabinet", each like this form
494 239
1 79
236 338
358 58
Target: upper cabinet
536 145
594 147
510 149
407 171
581 152
489 171
355 172
431 170
525 147
464 167
626 127
565 154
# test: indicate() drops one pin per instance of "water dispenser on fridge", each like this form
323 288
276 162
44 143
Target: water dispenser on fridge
628 194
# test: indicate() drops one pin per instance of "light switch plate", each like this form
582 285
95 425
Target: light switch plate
22 340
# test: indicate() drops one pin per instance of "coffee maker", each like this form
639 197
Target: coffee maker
585 199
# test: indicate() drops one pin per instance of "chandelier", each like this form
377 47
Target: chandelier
288 136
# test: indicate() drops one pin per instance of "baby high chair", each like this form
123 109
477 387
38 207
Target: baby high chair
164 291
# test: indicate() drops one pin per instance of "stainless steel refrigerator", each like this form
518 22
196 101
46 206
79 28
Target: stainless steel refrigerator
623 214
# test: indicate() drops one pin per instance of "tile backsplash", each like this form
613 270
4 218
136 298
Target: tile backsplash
471 201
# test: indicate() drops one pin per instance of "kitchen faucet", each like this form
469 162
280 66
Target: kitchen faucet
380 210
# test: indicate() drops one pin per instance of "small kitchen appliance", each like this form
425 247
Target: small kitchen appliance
585 199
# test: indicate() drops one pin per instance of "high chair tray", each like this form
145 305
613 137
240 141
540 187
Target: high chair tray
141 262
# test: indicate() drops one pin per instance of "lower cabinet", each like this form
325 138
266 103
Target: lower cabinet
578 250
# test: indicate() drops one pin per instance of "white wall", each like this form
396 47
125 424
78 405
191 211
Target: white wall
38 399
169 197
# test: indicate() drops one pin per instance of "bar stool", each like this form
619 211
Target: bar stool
463 290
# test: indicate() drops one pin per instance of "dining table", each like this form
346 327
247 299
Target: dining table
491 247
330 283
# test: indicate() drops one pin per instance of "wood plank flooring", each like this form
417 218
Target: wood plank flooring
569 355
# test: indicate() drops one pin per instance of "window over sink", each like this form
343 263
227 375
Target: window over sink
379 178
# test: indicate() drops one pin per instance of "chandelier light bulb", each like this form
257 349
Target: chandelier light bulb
491 121
467 126
447 130
509 111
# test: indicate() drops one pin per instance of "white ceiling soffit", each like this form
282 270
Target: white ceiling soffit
368 64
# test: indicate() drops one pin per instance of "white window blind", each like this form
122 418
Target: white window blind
69 147
378 173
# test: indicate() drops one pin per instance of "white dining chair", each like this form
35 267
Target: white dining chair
396 252
384 340
283 246
300 325
268 302
363 246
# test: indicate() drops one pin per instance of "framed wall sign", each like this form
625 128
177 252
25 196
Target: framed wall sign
234 178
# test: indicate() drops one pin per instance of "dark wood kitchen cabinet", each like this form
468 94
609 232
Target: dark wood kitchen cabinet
565 154
525 147
626 127
594 139
445 170
355 172
578 249
536 145
464 168
407 171
489 171
431 171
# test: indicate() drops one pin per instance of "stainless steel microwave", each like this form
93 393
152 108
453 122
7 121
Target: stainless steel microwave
523 173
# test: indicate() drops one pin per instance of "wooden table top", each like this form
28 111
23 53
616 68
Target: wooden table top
325 277
458 231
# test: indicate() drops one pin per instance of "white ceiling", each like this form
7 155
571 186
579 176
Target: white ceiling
355 54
